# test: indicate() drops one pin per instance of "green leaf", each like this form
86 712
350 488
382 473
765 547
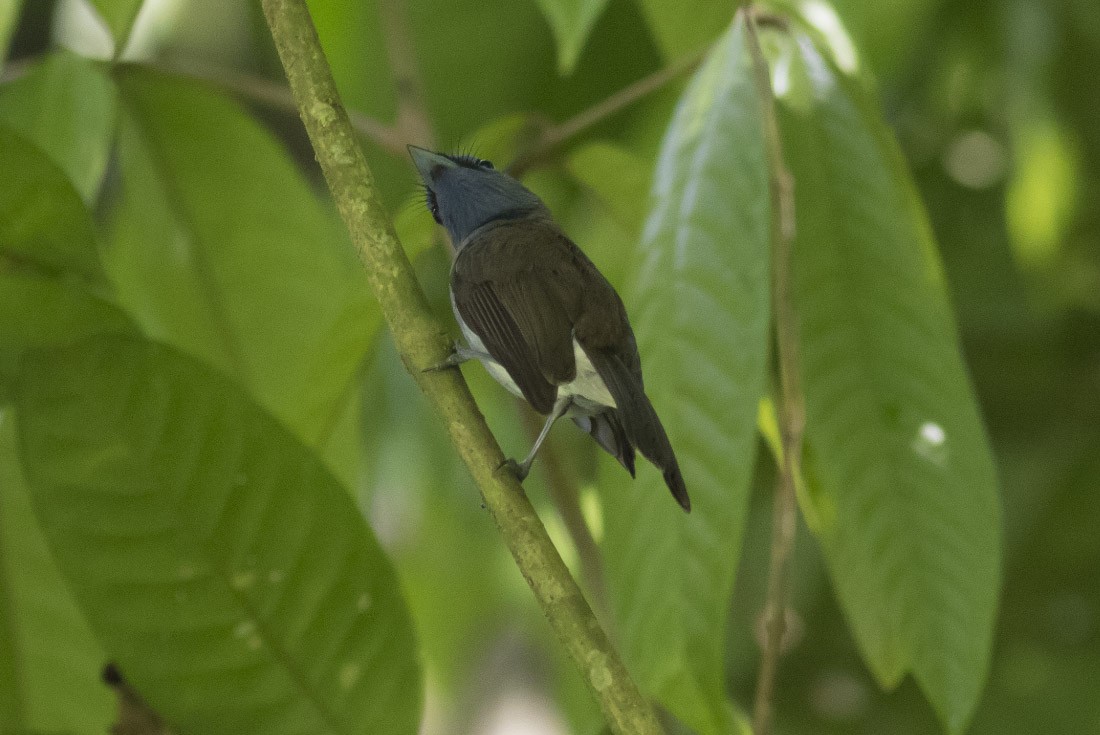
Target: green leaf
681 28
701 314
571 21
49 672
49 267
37 312
9 19
221 249
905 491
119 15
43 222
218 561
68 107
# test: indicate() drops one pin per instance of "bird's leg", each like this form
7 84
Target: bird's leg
460 353
561 405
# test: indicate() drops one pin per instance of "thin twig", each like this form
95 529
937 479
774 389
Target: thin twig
791 410
553 137
249 86
413 121
18 68
266 91
422 342
135 716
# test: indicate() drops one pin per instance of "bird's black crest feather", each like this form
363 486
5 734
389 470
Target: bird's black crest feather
470 161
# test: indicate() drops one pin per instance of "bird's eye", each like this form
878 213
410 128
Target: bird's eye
487 165
433 206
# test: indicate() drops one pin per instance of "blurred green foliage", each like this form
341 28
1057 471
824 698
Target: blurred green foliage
185 231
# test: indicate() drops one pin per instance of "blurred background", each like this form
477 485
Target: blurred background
996 106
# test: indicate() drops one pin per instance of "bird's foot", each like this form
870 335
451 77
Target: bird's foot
460 353
519 469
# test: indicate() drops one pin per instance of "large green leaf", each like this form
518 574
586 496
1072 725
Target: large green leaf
43 222
119 15
571 21
67 106
701 313
220 248
902 482
218 561
49 674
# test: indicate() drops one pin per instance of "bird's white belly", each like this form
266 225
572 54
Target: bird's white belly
588 389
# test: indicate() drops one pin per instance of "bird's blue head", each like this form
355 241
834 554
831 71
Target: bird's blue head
464 192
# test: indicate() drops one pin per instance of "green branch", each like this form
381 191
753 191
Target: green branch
423 342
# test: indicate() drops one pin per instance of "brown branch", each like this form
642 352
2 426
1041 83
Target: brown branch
135 716
556 135
265 91
413 122
18 68
791 410
249 86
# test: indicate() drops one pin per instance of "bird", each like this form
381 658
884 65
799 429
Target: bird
539 315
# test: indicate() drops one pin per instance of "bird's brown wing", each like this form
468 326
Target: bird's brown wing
527 291
515 285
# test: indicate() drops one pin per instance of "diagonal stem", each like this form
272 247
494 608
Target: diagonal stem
265 91
413 123
422 342
556 135
790 409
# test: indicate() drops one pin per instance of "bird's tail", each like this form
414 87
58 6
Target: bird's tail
640 422
608 432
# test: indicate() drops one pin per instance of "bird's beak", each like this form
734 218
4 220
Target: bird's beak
428 163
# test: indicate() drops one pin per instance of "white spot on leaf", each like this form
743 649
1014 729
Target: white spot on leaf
932 433
930 442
